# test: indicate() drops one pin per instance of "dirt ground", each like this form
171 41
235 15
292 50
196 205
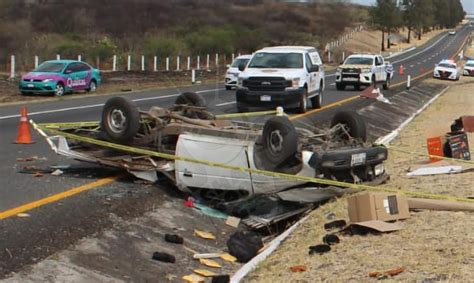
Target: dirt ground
434 245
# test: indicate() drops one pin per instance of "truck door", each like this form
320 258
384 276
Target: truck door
313 76
319 75
379 68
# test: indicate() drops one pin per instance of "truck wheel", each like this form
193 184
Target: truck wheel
303 101
120 119
317 101
386 85
354 123
280 142
340 86
192 99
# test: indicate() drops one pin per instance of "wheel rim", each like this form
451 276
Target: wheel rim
320 97
59 90
117 121
275 142
92 87
304 101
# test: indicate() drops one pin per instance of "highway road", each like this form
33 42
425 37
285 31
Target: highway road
81 215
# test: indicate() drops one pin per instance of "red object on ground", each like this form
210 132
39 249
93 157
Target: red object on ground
401 70
435 147
24 133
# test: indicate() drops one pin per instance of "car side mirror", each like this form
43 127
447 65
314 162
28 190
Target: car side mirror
242 67
315 68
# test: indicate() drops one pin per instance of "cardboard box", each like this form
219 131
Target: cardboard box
377 206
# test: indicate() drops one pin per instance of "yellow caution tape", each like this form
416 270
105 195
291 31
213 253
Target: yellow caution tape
399 149
69 125
248 170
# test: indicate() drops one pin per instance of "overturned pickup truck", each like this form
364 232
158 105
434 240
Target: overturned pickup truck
188 131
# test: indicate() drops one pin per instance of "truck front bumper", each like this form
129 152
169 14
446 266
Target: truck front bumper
354 79
287 98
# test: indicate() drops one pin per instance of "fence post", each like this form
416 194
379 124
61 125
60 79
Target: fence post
177 63
155 63
129 62
167 63
36 61
193 76
343 56
239 53
12 67
198 62
143 63
58 57
114 63
208 59
189 63
233 57
217 60
79 58
329 56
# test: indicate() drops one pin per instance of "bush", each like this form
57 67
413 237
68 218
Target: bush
162 46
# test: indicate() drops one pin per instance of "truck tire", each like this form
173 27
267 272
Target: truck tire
317 101
120 120
354 122
374 81
386 85
303 107
280 142
192 99
340 86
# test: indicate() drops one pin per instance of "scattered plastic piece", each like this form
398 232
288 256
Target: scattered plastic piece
221 279
331 239
336 224
23 215
319 249
38 174
390 272
205 235
204 272
194 278
208 255
57 172
435 170
175 239
298 268
164 257
210 263
210 211
228 257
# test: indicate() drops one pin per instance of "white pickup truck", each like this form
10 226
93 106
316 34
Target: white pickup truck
364 70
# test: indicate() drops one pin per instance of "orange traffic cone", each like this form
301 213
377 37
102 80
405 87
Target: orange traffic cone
24 133
401 70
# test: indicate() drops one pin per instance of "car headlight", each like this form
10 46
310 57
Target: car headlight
339 70
366 70
379 169
47 80
295 83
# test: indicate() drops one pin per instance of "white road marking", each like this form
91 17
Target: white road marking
99 105
424 50
226 103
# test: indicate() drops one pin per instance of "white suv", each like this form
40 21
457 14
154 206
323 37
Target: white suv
288 76
233 72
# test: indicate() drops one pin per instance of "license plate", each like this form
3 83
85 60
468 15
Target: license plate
358 159
265 98
350 79
30 85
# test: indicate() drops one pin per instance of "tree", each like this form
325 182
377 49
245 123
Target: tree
386 17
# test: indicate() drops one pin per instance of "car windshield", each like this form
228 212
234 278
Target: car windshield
239 62
447 65
50 67
277 60
359 61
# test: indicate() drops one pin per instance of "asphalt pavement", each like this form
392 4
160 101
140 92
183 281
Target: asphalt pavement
17 189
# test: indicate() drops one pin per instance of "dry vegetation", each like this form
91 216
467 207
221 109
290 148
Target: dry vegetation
434 246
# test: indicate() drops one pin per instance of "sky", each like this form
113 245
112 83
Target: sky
468 4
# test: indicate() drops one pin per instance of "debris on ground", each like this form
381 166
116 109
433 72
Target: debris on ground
204 235
367 227
175 239
330 239
204 272
57 172
440 205
207 255
391 272
23 215
210 263
244 245
336 224
221 279
298 268
194 278
164 257
377 206
31 158
319 249
228 257
233 221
